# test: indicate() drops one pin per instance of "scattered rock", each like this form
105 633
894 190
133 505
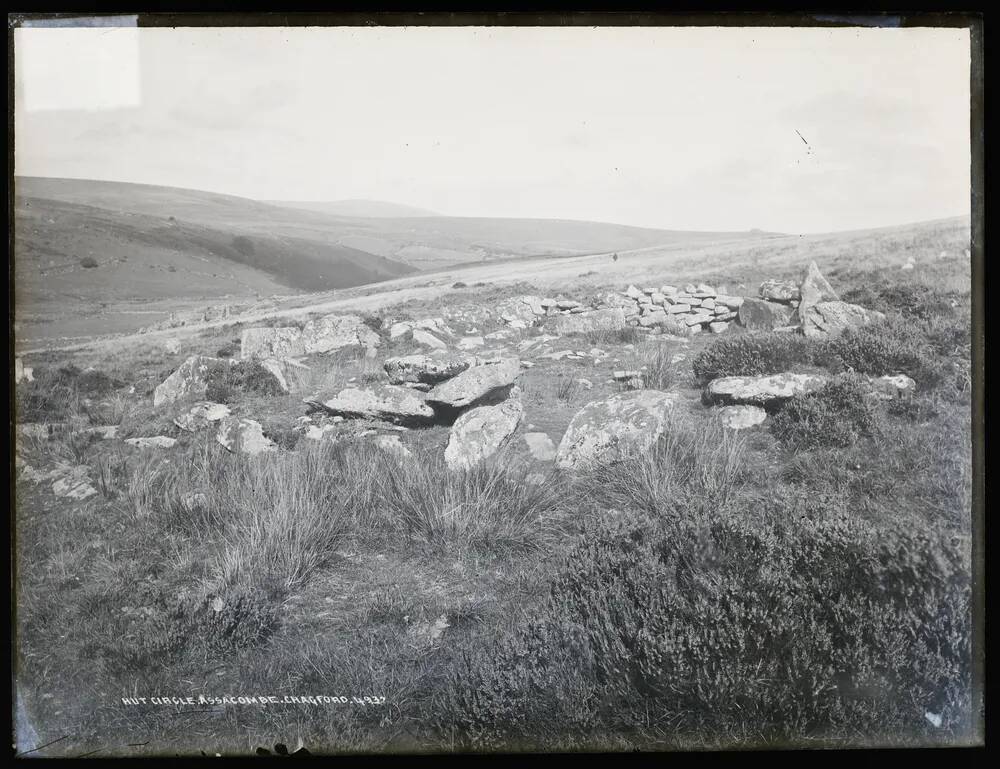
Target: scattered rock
393 445
522 310
779 290
275 342
760 391
22 373
322 432
825 319
172 346
480 432
741 417
190 380
603 428
73 487
246 436
398 330
194 500
890 387
428 339
732 302
102 432
201 415
476 383
762 315
275 368
428 368
541 446
152 442
470 342
334 332
717 327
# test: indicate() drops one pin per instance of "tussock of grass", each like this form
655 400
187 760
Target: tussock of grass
692 465
490 506
654 359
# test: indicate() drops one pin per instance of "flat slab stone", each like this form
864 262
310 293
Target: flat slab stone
476 383
760 391
431 368
392 403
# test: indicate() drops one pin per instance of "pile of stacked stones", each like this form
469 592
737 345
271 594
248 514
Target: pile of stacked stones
525 311
689 310
684 311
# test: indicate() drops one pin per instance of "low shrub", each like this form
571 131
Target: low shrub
241 617
459 284
890 346
88 262
837 415
752 354
733 631
56 394
230 350
909 299
227 383
693 465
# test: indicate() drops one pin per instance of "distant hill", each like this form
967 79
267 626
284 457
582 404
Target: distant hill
419 242
366 209
133 255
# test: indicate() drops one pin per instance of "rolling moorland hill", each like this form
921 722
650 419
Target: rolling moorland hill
422 242
375 209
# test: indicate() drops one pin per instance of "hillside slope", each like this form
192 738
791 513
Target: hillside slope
422 242
374 209
145 256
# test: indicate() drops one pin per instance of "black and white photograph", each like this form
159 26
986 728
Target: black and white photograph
463 385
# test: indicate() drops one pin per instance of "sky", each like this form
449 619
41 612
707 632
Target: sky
781 129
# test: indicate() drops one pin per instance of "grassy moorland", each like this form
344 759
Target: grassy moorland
806 582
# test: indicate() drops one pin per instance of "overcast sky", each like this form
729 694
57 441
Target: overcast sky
681 128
